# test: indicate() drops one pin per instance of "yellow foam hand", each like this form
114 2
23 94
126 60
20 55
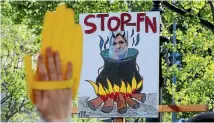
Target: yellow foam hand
62 34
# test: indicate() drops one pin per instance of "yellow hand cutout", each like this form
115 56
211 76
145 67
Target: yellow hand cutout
62 34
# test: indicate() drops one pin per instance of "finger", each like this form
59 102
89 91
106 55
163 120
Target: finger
51 64
58 65
69 71
42 71
42 76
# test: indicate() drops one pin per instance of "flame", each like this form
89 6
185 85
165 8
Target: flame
129 90
139 84
107 92
94 85
123 87
110 87
114 89
101 90
134 84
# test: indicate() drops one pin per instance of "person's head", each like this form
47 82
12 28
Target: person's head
120 43
118 46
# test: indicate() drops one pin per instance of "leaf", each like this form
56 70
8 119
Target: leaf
106 43
132 33
101 42
138 39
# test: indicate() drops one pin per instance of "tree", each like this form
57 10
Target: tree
20 34
195 42
16 41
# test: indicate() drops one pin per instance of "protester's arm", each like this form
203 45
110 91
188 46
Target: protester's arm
53 105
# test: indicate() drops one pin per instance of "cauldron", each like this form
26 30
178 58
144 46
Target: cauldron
117 71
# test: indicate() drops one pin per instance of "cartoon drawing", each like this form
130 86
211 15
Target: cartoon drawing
118 75
118 46
119 81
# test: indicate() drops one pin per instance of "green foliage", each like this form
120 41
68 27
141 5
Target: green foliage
196 43
21 27
21 24
31 13
139 6
16 41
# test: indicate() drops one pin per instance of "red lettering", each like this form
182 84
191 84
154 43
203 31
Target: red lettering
152 25
140 18
102 17
92 25
126 22
117 25
121 22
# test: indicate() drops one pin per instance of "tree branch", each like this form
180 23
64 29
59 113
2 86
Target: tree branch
13 106
4 99
6 63
3 85
6 59
184 13
15 111
8 111
174 8
212 8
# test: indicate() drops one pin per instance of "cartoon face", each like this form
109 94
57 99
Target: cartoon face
119 44
118 47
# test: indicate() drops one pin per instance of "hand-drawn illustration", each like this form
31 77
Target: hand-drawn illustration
119 81
118 46
116 88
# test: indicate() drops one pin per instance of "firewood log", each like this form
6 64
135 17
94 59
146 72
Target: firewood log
139 96
132 103
108 105
95 103
121 104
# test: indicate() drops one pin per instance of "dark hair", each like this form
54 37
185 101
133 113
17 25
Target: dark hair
123 36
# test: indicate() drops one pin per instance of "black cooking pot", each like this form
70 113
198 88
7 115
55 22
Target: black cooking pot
119 70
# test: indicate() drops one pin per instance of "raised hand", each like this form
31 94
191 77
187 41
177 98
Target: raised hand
53 105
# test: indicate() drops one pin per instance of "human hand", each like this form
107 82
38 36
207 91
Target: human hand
53 105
